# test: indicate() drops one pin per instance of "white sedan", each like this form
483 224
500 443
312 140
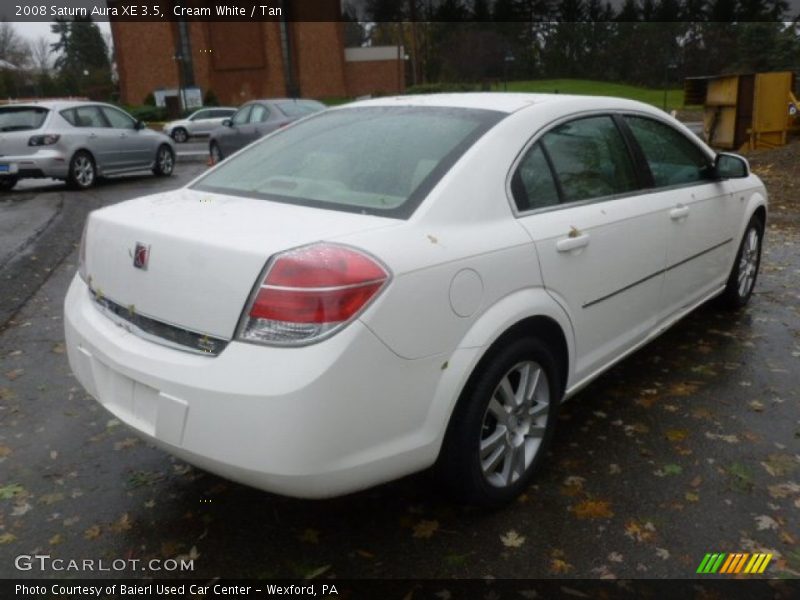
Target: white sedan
403 283
200 123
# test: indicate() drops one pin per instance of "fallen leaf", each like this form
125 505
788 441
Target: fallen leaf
677 435
14 373
310 536
662 553
7 538
615 557
122 524
92 533
512 539
692 496
59 348
756 405
11 490
783 490
593 509
764 522
21 509
55 540
559 566
425 529
51 498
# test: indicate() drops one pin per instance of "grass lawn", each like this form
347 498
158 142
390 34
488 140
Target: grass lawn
599 88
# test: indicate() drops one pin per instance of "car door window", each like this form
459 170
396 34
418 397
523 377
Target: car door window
242 115
259 114
673 158
203 114
590 159
532 184
89 116
118 119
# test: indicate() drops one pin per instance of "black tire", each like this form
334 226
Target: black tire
165 161
180 135
215 152
82 171
744 272
460 467
8 183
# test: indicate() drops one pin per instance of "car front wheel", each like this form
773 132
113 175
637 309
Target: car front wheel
82 171
215 152
502 425
165 161
743 275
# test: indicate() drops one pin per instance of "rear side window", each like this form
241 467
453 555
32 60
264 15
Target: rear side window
85 116
590 158
299 108
221 113
20 118
533 185
372 160
673 158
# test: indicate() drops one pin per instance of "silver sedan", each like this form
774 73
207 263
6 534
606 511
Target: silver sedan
77 142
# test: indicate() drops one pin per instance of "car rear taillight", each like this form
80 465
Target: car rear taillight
309 293
44 140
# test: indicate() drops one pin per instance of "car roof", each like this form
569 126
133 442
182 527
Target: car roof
55 104
504 102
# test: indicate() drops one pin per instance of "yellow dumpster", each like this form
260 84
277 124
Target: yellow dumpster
746 111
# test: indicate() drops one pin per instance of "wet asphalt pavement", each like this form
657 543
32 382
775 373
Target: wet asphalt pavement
690 446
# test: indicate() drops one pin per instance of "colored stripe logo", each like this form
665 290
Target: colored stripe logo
735 563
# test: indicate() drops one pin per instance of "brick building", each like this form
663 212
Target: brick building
242 60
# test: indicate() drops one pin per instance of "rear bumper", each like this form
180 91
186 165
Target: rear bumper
316 421
43 163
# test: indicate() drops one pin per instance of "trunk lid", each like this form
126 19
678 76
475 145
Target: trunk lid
205 252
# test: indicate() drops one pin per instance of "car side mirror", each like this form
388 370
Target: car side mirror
140 125
227 123
730 166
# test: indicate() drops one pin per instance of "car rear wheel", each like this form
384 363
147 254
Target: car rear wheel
8 183
82 170
215 152
165 161
180 135
502 425
744 273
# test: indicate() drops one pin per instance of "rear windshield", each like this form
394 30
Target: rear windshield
299 108
376 160
20 118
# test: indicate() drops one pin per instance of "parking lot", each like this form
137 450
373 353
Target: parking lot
690 446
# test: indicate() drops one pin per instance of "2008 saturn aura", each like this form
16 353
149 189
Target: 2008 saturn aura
405 282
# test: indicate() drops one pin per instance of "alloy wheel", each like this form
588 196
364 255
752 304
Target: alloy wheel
748 263
514 424
84 170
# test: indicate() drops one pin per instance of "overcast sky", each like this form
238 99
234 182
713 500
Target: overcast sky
33 30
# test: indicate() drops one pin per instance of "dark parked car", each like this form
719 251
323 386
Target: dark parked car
256 119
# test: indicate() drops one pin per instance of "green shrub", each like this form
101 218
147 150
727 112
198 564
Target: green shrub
210 99
148 113
441 88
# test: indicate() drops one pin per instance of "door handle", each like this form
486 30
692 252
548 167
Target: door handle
92 136
679 212
573 243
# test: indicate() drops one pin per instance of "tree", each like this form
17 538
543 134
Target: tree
82 64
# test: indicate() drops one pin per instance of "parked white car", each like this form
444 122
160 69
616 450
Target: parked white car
405 282
199 124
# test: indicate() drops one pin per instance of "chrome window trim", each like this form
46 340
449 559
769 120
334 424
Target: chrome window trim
539 133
